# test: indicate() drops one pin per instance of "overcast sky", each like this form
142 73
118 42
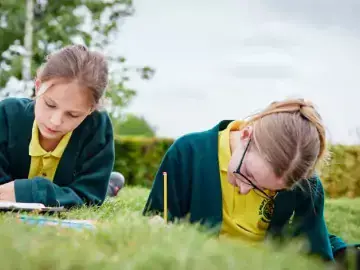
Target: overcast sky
210 57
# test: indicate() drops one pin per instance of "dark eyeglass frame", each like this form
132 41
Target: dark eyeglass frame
248 181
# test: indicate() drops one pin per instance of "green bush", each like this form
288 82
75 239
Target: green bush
341 177
138 159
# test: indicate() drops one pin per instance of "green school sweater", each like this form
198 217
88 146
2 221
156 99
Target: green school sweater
194 193
83 172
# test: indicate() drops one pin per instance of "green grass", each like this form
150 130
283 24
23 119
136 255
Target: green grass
125 240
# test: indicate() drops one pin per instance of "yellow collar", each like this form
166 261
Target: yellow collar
35 148
224 145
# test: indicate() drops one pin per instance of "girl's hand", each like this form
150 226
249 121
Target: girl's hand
7 192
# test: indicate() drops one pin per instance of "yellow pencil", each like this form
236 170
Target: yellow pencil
165 196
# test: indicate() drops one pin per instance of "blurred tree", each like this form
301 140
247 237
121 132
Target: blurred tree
59 23
132 125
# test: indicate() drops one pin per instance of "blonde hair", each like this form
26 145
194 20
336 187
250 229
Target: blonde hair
77 63
290 136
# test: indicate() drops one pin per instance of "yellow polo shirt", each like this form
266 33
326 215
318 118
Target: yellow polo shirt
246 216
45 163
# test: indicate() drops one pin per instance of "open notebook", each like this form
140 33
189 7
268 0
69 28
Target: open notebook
11 206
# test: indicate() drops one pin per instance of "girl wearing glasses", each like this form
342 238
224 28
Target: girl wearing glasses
249 179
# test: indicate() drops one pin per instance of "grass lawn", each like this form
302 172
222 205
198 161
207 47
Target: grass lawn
125 240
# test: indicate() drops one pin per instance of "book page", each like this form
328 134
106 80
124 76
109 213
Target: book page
7 204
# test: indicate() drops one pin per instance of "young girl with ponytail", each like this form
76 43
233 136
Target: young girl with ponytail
252 179
58 148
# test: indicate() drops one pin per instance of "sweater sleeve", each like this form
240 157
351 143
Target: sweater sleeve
90 181
309 219
178 187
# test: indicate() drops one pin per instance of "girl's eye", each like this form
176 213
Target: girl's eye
73 116
49 105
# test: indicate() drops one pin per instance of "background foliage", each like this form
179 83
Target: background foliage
139 158
57 24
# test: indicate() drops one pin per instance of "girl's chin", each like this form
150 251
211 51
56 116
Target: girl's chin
49 134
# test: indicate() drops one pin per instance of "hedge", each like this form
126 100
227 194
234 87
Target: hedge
341 177
138 159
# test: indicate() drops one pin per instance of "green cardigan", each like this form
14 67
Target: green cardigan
194 192
83 172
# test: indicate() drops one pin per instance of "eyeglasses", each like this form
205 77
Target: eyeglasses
247 181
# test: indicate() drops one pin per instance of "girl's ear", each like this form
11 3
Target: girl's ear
37 86
246 132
